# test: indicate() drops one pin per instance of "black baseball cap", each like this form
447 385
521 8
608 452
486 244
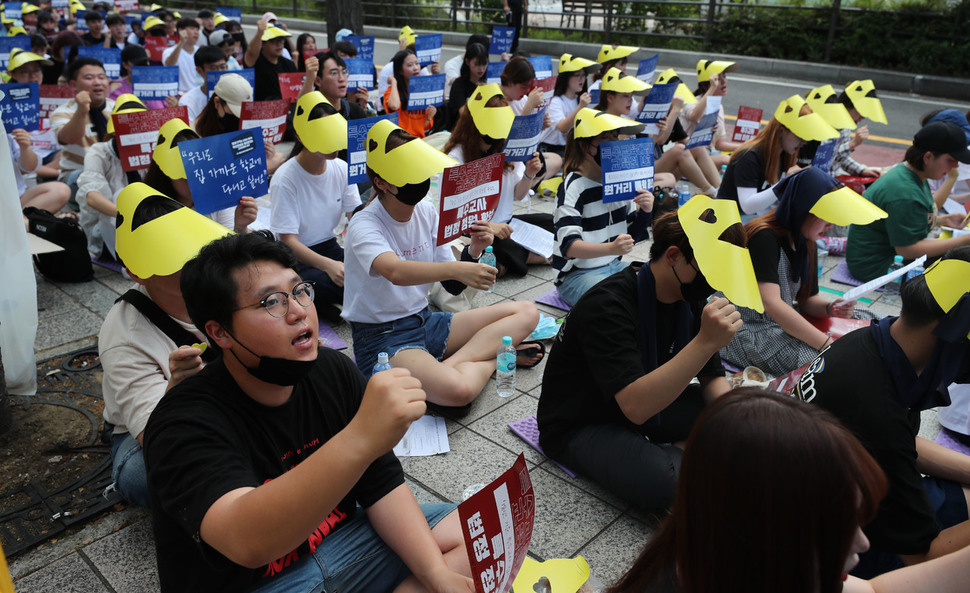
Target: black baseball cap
943 136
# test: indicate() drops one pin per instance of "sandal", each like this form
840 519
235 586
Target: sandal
532 349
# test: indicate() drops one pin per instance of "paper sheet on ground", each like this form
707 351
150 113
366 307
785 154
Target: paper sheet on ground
535 239
858 291
426 436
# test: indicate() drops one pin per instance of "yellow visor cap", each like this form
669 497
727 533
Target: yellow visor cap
494 122
706 68
862 93
324 131
825 102
808 127
414 161
167 154
608 52
618 82
155 7
19 57
274 33
668 76
16 30
726 266
948 280
126 103
152 22
219 18
843 207
590 123
405 31
563 574
161 246
570 63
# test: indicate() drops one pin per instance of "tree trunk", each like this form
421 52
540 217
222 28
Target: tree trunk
343 14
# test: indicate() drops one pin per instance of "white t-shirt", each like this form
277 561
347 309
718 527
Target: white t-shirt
370 297
188 77
510 177
452 71
195 100
310 206
560 107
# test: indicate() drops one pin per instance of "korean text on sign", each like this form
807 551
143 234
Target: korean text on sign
222 169
627 168
356 136
747 125
138 132
469 193
524 136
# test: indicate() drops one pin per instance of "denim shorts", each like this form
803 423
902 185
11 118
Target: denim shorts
424 330
353 558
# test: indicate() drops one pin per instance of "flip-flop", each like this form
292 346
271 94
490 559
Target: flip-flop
532 350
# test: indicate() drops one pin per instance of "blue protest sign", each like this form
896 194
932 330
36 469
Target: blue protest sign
524 136
360 74
212 78
542 65
824 155
627 168
703 132
646 68
428 48
493 72
364 45
424 91
129 19
657 103
20 106
356 136
109 56
12 10
222 169
594 96
80 22
501 40
10 43
60 4
233 14
154 82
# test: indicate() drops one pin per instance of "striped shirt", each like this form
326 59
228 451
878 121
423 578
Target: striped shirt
581 214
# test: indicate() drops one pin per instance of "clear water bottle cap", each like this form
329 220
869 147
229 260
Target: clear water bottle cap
382 357
488 249
507 340
898 259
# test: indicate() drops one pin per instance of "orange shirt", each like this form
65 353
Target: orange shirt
412 122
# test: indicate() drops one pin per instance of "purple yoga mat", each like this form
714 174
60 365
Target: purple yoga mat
329 338
111 265
553 299
527 429
946 440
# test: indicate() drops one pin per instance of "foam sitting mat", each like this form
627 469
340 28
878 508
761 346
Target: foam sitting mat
945 439
107 263
553 299
842 275
527 429
329 338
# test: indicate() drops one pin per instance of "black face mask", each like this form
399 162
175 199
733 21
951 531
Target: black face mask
597 157
278 371
230 121
697 290
412 193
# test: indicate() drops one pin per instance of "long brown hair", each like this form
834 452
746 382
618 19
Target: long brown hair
575 152
768 143
467 136
769 221
770 494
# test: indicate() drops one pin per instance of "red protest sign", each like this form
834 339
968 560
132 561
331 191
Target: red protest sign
291 83
155 45
138 132
747 125
268 115
52 96
310 53
123 6
469 193
496 523
548 85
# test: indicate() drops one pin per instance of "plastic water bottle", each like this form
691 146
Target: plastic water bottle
505 368
383 364
488 258
893 287
683 194
917 271
723 170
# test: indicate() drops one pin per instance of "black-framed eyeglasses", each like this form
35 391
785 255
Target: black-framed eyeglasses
277 303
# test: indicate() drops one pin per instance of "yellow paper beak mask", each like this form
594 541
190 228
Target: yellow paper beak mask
318 124
166 153
844 206
825 102
569 63
706 68
126 103
810 191
862 93
619 82
949 282
156 235
809 126
590 123
608 52
415 161
494 122
725 266
669 76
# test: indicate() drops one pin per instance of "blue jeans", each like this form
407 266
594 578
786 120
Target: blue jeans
578 280
128 469
424 330
353 558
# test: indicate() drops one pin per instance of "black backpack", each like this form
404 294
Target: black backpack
71 265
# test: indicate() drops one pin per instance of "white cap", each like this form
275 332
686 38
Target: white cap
269 17
234 90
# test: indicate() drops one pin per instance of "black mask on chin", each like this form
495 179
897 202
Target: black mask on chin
412 193
229 121
597 157
697 290
278 371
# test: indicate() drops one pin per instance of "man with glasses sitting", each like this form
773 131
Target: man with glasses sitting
208 58
260 463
